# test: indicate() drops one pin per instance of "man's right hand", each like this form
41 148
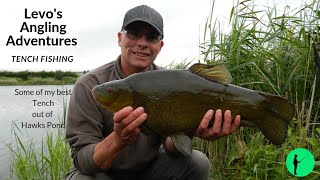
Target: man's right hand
127 122
126 130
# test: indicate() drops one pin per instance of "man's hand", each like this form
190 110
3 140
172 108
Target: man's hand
221 127
126 129
127 122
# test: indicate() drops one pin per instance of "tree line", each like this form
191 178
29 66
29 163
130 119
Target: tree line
24 75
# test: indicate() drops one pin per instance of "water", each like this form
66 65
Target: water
35 110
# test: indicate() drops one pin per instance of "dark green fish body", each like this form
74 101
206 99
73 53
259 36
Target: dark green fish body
176 100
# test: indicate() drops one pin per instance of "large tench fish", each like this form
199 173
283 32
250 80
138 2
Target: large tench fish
176 101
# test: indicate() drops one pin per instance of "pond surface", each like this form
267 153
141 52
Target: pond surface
34 110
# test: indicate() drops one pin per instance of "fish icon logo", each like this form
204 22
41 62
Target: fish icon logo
300 162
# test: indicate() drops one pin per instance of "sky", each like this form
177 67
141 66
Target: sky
95 25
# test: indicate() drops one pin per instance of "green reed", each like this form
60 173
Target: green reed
51 161
270 52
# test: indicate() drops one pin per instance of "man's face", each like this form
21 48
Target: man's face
140 44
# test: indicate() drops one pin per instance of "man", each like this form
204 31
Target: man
110 146
295 164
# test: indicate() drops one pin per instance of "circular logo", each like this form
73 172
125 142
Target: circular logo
300 162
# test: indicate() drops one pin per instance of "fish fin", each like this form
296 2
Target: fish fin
274 124
217 73
246 123
183 143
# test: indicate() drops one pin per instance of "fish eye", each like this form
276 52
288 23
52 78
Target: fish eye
109 90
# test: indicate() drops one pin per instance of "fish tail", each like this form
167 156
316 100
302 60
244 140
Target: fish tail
274 124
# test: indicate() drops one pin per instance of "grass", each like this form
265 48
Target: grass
8 78
273 53
51 161
10 81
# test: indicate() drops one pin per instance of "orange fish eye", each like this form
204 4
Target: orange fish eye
109 90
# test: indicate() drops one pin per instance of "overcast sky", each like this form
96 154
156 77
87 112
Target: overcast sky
95 24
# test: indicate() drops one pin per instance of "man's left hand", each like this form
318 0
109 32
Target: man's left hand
222 125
